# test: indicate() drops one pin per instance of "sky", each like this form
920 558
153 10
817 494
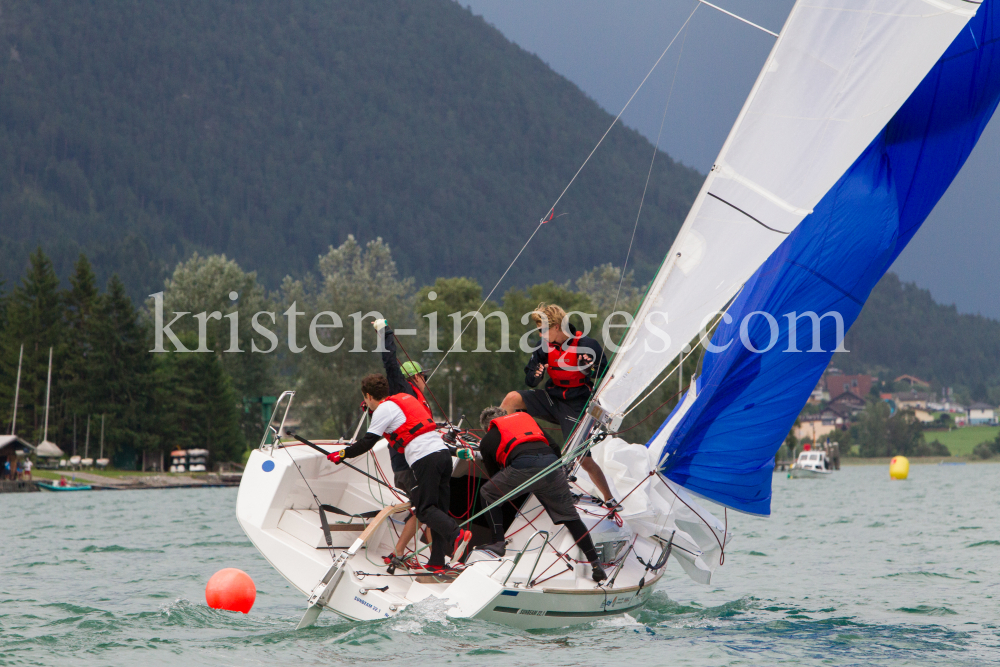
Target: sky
606 47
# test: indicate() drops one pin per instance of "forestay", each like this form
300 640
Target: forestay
839 71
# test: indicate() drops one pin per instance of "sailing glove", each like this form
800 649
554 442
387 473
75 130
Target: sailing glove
336 457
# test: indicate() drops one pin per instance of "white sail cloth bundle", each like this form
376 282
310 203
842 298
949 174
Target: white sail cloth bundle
838 72
650 508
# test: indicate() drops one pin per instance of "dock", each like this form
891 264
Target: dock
17 486
127 482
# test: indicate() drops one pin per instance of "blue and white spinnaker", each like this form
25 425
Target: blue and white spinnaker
861 117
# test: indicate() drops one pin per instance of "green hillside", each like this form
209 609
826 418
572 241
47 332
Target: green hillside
141 131
902 330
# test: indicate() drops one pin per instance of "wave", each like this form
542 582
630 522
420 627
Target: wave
113 548
927 610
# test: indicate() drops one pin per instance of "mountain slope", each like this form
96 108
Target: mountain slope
902 330
142 130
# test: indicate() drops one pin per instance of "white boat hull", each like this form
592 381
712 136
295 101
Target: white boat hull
808 473
277 511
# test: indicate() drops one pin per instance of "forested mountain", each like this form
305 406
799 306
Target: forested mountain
902 330
142 130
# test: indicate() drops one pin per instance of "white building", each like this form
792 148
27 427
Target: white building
980 414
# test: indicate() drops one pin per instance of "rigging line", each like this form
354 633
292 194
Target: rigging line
711 529
561 461
609 513
429 391
458 340
649 174
648 74
737 208
552 209
739 18
708 332
319 505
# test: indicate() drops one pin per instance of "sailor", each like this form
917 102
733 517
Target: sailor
514 451
406 379
572 361
409 427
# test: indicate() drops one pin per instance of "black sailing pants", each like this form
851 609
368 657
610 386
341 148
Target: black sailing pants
431 498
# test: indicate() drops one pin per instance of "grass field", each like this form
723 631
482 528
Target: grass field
56 474
960 441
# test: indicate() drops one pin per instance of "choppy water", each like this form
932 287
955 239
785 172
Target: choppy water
856 570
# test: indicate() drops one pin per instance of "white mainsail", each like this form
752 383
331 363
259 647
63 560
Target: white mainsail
838 72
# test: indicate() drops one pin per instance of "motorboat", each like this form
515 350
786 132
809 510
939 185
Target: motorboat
811 464
62 485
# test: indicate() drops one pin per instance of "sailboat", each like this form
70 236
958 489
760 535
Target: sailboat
46 448
12 445
862 115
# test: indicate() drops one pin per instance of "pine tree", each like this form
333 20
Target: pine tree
120 371
82 296
81 302
34 319
196 405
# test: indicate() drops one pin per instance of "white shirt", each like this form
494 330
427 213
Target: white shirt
388 416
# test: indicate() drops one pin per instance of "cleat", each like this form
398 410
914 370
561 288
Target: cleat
461 542
498 549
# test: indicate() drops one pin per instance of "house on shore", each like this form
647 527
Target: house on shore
834 417
981 414
859 385
914 400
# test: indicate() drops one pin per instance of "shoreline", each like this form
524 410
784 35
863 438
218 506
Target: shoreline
850 461
128 480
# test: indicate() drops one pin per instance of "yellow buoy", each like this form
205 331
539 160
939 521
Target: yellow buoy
899 467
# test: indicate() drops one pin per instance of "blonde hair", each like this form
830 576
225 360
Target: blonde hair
551 314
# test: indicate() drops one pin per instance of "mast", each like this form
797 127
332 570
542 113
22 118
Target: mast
48 388
102 436
86 440
17 389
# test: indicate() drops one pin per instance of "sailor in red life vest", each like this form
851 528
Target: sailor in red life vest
406 379
409 427
515 450
573 361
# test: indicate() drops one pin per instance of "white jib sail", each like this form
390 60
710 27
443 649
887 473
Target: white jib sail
838 72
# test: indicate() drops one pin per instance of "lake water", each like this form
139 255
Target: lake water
855 570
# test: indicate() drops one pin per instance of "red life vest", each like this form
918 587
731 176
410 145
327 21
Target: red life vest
516 429
418 421
420 396
564 364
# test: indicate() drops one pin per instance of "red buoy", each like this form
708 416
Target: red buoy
231 589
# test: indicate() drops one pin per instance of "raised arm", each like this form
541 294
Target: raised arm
398 384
